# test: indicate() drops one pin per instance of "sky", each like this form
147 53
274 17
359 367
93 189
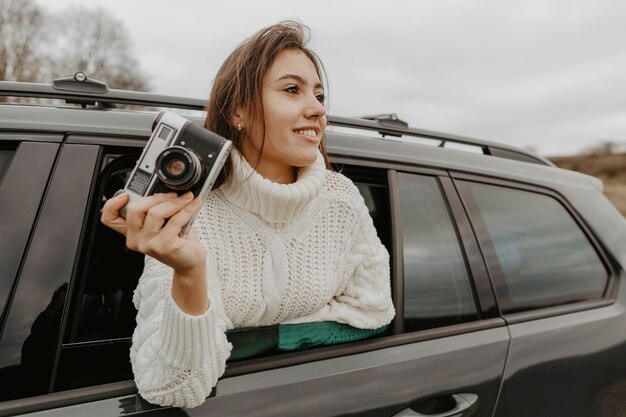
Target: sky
545 75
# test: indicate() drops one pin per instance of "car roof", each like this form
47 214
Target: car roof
95 94
365 143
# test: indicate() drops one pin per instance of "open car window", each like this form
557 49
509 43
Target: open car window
102 316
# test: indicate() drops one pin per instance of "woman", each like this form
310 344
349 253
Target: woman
282 240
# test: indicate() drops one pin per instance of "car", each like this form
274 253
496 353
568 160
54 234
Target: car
507 275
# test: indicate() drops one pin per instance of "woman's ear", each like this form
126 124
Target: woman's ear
237 120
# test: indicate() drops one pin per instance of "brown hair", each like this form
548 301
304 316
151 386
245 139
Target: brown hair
239 83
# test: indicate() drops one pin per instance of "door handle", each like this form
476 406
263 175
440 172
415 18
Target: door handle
465 405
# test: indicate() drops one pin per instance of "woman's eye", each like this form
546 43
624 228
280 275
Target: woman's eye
320 98
293 89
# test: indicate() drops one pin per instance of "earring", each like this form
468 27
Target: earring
239 127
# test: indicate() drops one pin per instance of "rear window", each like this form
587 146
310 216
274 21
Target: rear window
537 253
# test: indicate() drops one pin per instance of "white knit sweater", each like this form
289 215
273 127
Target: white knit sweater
276 253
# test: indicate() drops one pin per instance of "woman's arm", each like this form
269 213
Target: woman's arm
179 348
363 296
176 357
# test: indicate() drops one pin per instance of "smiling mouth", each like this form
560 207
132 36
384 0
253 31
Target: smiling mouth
308 132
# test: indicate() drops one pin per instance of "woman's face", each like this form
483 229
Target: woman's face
295 118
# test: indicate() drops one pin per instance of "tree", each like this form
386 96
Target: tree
88 40
97 43
22 41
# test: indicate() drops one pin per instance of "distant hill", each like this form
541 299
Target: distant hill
609 167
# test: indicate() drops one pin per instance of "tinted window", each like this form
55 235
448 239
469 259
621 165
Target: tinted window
30 337
102 317
376 199
537 250
373 186
437 289
110 271
5 158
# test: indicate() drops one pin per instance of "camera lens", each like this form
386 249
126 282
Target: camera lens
179 168
175 167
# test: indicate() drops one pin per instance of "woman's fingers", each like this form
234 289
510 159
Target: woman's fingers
176 222
137 210
157 215
110 215
148 232
152 225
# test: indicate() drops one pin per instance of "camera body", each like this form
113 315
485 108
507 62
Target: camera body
179 157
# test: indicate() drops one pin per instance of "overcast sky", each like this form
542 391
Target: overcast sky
542 74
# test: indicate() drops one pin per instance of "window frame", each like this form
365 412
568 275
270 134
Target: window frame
111 147
610 290
482 292
85 251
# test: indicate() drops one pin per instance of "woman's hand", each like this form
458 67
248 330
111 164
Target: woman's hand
152 226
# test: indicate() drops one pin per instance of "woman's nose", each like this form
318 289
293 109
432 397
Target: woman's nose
315 109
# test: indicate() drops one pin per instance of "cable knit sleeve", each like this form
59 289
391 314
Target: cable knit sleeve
363 299
176 357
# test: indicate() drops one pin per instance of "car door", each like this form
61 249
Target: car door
444 354
561 292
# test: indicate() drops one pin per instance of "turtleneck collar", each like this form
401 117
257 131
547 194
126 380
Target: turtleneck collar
273 202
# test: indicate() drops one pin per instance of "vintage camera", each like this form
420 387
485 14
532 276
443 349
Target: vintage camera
179 157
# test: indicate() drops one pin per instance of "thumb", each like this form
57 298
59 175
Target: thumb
110 214
116 203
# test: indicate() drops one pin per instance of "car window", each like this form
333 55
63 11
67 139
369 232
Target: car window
6 153
9 264
538 254
437 288
102 316
253 342
32 323
110 271
372 183
376 198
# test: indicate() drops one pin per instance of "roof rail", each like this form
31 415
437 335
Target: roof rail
81 82
398 130
84 90
388 119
